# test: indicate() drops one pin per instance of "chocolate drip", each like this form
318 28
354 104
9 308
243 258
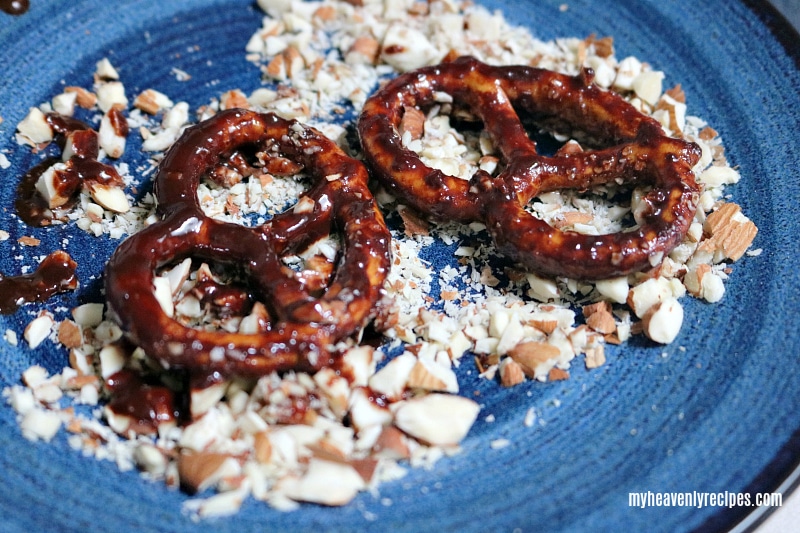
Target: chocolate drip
54 275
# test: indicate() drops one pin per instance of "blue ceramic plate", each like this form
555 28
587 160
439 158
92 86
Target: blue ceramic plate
720 415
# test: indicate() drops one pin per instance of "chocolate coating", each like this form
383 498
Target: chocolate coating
637 152
305 326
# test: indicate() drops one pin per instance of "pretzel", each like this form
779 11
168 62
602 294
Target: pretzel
303 325
637 151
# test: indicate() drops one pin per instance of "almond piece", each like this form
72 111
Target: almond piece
151 101
533 357
110 94
69 334
570 218
643 296
110 197
430 376
88 315
262 447
201 470
359 363
615 289
391 380
38 330
510 372
109 137
391 444
112 359
365 49
35 128
600 320
365 410
412 123
595 356
438 419
325 482
232 99
84 98
335 388
203 399
663 321
413 223
731 231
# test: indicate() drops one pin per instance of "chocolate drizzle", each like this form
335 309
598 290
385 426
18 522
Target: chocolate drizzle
81 170
54 275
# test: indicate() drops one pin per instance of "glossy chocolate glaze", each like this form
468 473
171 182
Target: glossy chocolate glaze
14 7
55 274
305 326
82 170
147 405
637 151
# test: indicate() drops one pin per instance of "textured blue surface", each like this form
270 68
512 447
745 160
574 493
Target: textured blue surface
720 415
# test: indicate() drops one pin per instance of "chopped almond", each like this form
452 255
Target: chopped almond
69 334
413 122
511 372
731 232
85 99
531 354
414 224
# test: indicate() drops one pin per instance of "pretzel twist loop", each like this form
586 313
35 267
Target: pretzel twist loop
637 152
303 325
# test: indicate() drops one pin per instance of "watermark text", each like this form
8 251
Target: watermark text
700 500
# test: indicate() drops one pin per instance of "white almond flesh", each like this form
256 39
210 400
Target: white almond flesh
112 143
40 424
47 186
38 330
439 419
204 399
34 127
645 295
647 86
110 94
64 103
364 412
391 380
112 360
335 388
34 376
326 483
88 315
178 274
152 101
663 322
432 376
163 294
176 116
104 70
406 49
110 197
201 470
360 364
615 289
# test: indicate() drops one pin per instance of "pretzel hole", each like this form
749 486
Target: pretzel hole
601 210
316 265
251 184
449 139
208 295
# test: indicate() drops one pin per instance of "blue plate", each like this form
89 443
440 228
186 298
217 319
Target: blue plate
716 411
